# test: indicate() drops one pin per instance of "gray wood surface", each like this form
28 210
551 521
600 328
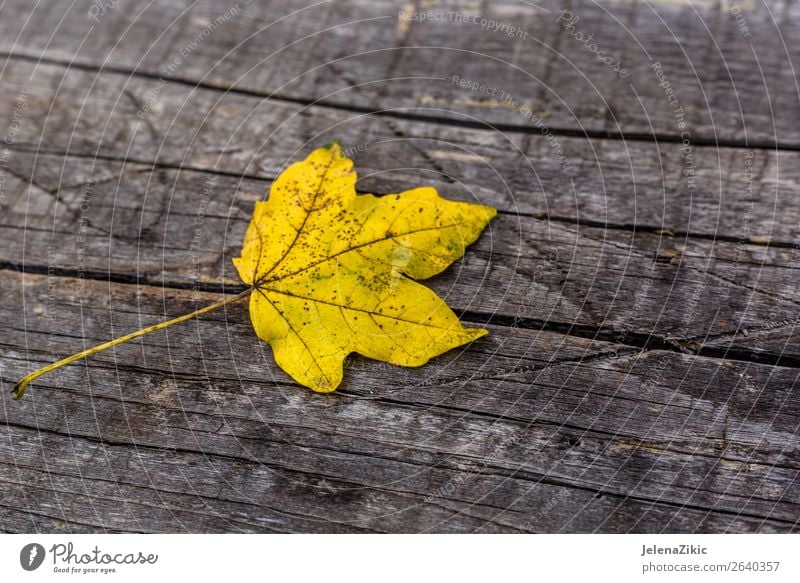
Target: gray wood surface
733 84
641 294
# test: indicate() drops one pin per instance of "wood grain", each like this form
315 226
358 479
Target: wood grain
732 84
482 440
733 193
641 292
638 287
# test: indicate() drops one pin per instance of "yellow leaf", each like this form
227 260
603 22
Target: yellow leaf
329 274
333 272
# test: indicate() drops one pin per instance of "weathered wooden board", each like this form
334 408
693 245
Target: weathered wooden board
732 193
725 61
639 287
491 438
641 295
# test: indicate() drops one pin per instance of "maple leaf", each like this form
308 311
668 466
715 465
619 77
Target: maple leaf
331 272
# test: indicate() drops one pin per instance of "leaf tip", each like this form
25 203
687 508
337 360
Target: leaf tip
334 145
324 384
478 333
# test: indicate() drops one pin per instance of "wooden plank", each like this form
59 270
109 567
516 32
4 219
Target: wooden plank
730 65
182 228
729 193
195 429
638 293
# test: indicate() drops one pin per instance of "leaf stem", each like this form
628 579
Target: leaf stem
22 385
